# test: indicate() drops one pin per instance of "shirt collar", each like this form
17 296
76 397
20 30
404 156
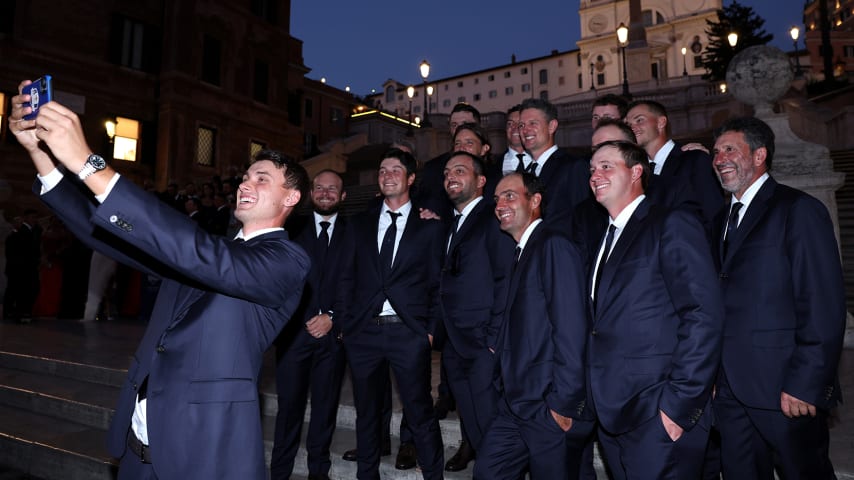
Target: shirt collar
751 192
523 240
403 210
545 156
662 154
624 216
466 211
256 233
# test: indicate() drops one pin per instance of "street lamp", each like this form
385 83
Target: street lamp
795 32
429 106
684 65
623 38
732 38
410 92
425 72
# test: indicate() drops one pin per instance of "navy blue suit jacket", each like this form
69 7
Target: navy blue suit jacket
220 306
567 183
541 346
323 289
688 181
474 281
785 301
656 333
413 284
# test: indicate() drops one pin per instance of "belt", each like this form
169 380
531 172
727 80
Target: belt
140 449
386 319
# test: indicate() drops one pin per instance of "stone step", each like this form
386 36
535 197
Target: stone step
53 449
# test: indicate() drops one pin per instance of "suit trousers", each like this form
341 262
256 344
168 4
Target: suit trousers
370 353
648 453
303 366
755 441
513 445
470 380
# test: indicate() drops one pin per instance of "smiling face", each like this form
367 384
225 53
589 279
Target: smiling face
465 140
393 180
263 201
736 166
649 128
537 132
462 184
514 138
515 209
614 184
327 193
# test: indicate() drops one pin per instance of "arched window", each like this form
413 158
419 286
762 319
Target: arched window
389 94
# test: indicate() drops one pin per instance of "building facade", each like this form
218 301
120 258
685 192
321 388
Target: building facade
840 18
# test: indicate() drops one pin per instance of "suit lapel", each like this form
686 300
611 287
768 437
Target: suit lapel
755 212
466 228
671 164
618 251
410 232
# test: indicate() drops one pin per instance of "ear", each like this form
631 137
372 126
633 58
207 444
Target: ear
481 181
637 172
759 156
293 198
552 127
410 179
661 124
536 200
343 196
484 150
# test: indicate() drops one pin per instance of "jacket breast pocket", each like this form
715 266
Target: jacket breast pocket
223 390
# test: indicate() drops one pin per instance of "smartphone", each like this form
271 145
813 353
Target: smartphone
41 92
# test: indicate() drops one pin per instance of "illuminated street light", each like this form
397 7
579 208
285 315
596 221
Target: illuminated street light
732 38
425 72
684 65
623 38
795 32
410 92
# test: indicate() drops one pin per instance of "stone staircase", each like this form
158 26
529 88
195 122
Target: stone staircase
843 161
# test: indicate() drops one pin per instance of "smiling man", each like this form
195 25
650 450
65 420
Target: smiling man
783 292
564 178
655 337
390 316
542 421
189 407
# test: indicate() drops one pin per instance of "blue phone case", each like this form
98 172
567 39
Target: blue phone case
41 92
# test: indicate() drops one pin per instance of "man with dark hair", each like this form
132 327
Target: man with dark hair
309 353
515 159
473 291
189 407
563 177
608 106
785 314
681 178
655 336
390 316
542 422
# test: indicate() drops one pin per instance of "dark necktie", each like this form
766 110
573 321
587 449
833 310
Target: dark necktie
323 242
732 224
609 240
518 253
454 228
652 168
387 249
532 168
521 166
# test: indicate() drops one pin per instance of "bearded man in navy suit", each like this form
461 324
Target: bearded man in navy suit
189 407
783 293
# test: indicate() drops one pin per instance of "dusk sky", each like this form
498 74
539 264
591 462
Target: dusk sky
361 44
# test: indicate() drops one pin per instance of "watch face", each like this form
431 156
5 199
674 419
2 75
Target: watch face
97 161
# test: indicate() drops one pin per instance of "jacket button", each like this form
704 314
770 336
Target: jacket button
113 219
594 332
161 349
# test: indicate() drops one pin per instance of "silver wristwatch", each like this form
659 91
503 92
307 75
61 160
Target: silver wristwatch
95 163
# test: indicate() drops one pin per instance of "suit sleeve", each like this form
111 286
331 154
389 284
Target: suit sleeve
501 247
691 282
563 284
706 188
819 300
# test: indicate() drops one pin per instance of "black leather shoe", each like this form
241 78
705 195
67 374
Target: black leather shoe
460 460
444 404
405 457
350 455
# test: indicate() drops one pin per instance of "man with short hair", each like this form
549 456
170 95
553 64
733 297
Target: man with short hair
563 177
390 316
785 314
189 408
543 421
680 178
655 335
472 290
608 106
309 353
515 159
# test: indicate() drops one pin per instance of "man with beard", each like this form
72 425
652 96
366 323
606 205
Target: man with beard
472 291
309 350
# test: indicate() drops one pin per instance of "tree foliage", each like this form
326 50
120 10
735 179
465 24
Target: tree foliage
732 18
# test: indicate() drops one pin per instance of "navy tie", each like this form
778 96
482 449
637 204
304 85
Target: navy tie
454 228
731 224
387 249
609 240
521 166
532 168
